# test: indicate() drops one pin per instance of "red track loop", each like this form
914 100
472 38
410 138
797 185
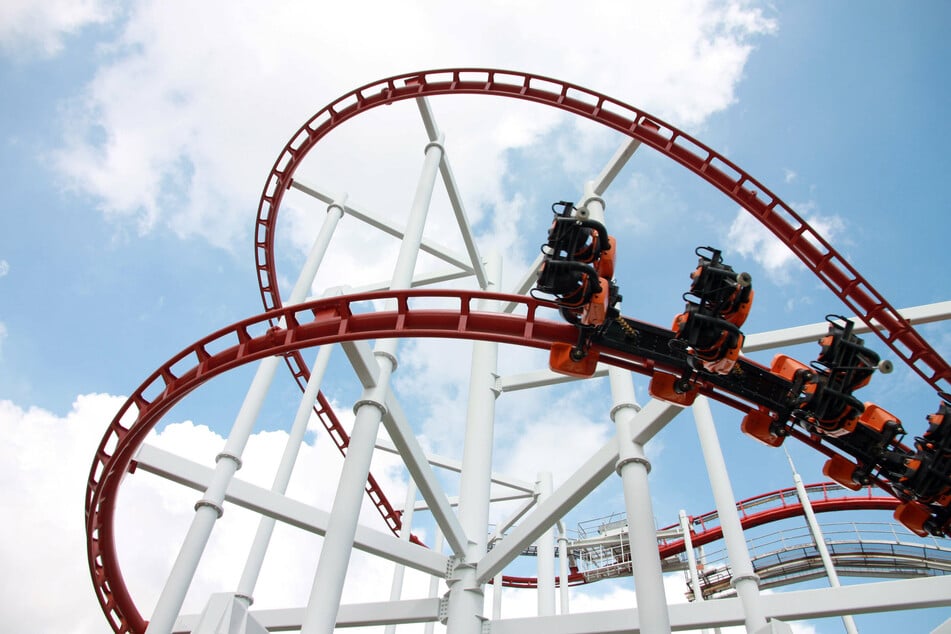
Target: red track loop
810 247
315 323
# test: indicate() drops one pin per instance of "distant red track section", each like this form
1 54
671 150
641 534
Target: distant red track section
756 511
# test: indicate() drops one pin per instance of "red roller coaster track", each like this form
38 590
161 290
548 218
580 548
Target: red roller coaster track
755 511
310 324
330 321
811 248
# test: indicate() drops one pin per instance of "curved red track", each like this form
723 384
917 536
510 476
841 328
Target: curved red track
329 321
310 324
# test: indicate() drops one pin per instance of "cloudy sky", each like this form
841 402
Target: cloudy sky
135 140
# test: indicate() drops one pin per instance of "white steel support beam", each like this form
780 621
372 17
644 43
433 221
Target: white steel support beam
456 466
454 500
745 580
563 568
632 465
633 468
418 281
396 587
542 378
514 517
916 315
433 579
449 180
350 615
650 420
885 596
282 477
691 558
287 510
545 554
819 539
407 445
614 166
209 508
320 615
427 246
466 590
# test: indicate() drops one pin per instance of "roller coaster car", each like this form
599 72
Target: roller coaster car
709 328
871 433
578 265
927 478
849 363
720 290
822 395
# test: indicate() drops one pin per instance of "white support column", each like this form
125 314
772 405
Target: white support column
691 561
745 580
563 569
209 508
262 538
466 593
321 613
497 597
396 587
545 554
691 558
633 467
819 539
439 542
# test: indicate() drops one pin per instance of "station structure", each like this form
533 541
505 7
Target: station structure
472 558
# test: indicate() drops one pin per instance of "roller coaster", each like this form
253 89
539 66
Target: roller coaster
700 357
704 346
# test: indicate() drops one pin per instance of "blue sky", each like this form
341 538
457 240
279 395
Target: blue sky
135 139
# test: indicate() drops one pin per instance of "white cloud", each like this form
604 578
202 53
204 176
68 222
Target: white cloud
4 268
749 238
181 125
39 28
44 464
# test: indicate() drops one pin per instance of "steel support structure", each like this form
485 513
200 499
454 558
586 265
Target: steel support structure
745 580
466 590
321 614
820 540
210 507
488 318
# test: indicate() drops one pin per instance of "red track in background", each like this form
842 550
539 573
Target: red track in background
762 509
